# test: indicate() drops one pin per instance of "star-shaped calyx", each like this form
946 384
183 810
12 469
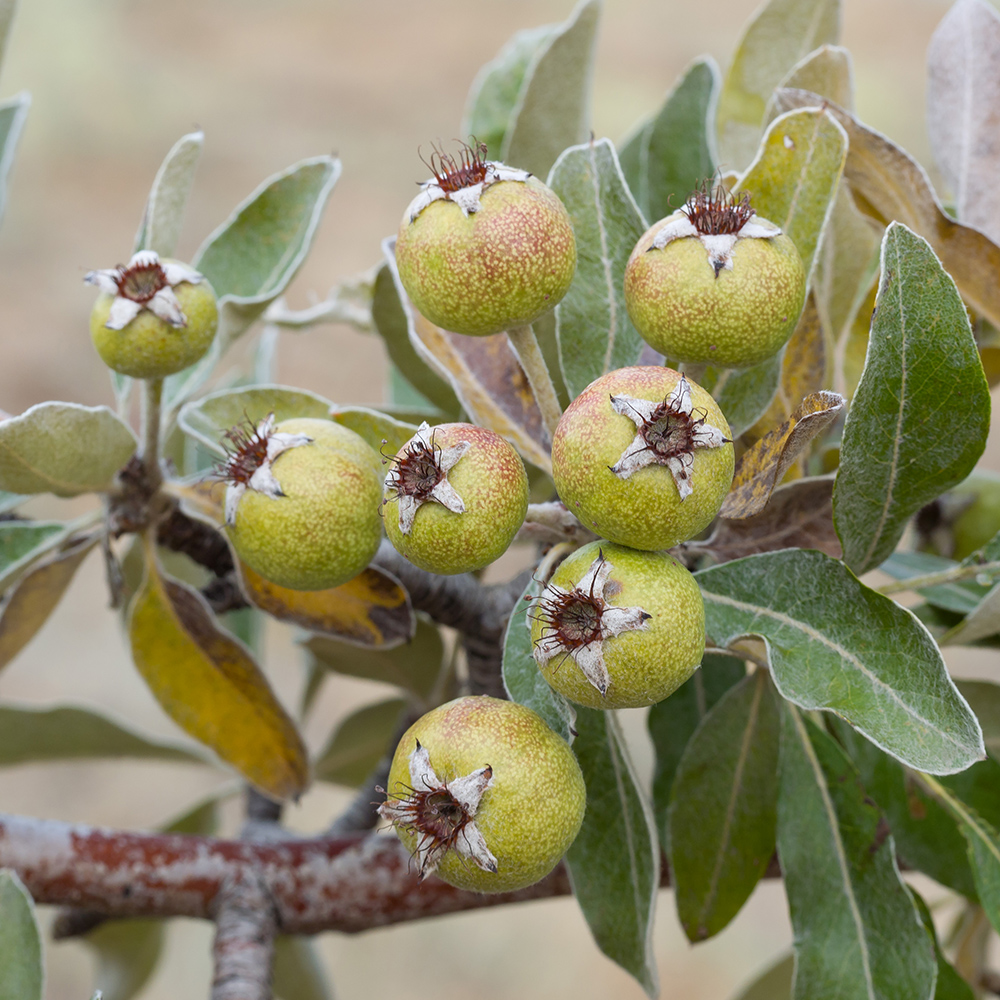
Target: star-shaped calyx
718 219
145 282
420 475
667 433
250 453
577 622
441 814
461 179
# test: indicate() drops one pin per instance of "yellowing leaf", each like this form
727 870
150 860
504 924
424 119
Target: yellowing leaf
35 597
803 371
825 71
763 466
208 683
371 610
485 374
889 184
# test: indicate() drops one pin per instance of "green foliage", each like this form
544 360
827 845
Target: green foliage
21 972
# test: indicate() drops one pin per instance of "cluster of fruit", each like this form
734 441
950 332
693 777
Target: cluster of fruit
481 790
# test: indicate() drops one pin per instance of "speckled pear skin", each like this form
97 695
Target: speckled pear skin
646 665
326 528
735 320
644 511
498 268
532 812
491 481
150 347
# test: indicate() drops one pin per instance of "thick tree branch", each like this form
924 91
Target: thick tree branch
243 950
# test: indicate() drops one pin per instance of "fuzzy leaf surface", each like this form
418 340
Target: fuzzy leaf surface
553 109
888 184
21 972
522 679
669 155
950 985
774 983
63 448
781 34
920 415
673 721
485 374
207 419
614 863
496 91
23 543
12 117
390 321
723 807
763 466
963 110
592 324
826 71
744 395
383 432
414 666
798 515
371 610
161 222
836 645
359 743
36 595
793 179
857 931
208 683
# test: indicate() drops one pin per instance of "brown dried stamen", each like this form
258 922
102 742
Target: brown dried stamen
669 432
716 211
453 174
141 281
417 472
246 451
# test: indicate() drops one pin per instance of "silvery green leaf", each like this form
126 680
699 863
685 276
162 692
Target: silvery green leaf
21 972
919 418
63 448
836 645
857 931
12 116
593 327
553 109
669 155
161 222
614 863
780 34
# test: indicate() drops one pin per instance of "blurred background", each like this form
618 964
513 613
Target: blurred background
114 83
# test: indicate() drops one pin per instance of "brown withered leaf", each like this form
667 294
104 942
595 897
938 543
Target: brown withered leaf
764 465
800 515
485 374
35 597
209 684
888 184
372 610
803 371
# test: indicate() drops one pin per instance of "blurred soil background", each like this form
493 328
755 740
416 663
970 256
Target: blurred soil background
114 83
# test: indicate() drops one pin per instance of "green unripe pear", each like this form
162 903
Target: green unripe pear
454 498
484 248
964 519
618 628
642 460
485 795
302 505
153 318
716 285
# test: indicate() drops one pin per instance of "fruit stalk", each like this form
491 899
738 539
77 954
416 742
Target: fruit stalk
152 396
525 344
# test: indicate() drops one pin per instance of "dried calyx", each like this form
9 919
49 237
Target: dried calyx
575 623
421 476
718 218
440 813
461 179
250 453
145 282
667 433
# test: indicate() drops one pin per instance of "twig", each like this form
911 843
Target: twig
954 575
243 950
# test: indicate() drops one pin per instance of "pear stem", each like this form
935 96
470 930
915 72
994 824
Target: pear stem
152 395
525 344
